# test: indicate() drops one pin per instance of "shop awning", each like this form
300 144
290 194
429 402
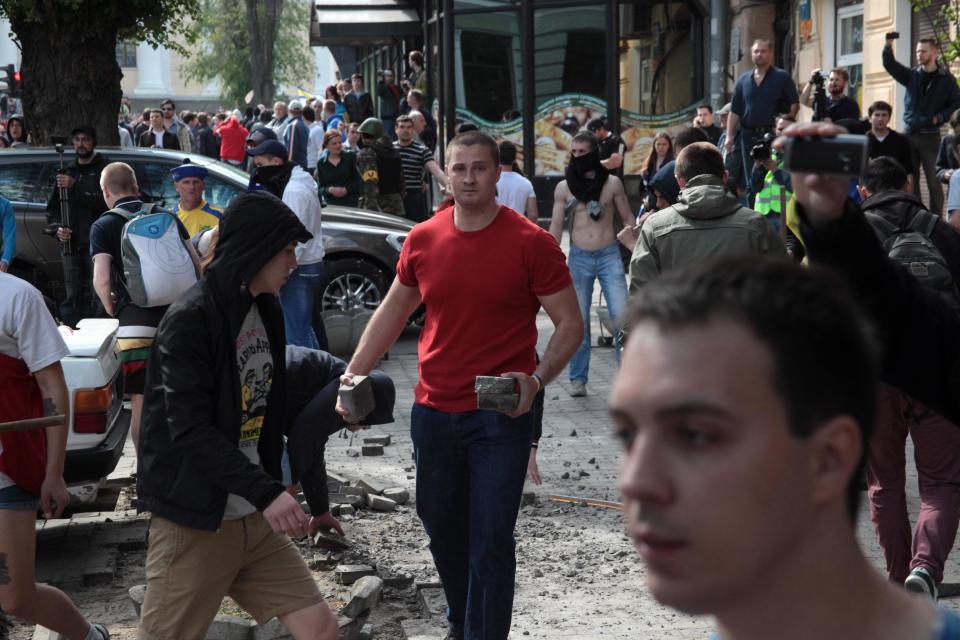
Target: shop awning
362 22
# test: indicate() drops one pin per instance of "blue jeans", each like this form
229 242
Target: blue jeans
606 266
296 298
470 472
14 498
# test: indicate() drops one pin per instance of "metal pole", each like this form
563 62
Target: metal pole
613 64
449 83
718 52
528 108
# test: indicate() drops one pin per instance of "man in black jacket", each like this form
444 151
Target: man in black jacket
920 335
212 442
207 142
157 135
81 178
931 96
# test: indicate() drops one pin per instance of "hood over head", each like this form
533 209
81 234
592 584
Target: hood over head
896 206
254 228
706 197
666 183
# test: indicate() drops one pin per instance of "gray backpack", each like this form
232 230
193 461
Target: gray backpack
913 248
157 263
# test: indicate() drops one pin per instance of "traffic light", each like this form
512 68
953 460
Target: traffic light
13 79
17 89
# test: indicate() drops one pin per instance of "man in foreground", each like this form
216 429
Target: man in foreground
741 470
212 442
483 273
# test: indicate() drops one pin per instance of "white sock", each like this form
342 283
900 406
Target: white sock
95 634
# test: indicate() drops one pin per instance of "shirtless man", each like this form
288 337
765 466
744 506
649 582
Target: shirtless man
589 194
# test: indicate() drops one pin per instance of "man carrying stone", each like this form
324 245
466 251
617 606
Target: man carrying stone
592 198
483 273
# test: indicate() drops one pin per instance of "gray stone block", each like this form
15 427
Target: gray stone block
137 593
226 627
331 540
372 450
366 633
350 628
347 510
341 499
357 399
379 503
364 595
271 630
398 581
383 441
498 401
397 494
354 491
372 485
495 385
347 574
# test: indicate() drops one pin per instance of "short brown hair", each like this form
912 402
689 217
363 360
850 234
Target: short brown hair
120 179
330 135
474 138
403 118
586 136
153 111
840 71
697 159
930 41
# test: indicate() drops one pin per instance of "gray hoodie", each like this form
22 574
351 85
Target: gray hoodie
706 223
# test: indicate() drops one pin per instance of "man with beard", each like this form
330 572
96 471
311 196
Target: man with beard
81 178
298 190
839 105
589 194
381 170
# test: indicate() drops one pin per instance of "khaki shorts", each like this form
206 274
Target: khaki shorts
189 571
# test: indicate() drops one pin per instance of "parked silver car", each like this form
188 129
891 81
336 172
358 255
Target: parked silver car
361 247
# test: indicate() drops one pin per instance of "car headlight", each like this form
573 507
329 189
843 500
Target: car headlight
395 240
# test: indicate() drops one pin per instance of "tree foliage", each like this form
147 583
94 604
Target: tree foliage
945 19
68 53
247 45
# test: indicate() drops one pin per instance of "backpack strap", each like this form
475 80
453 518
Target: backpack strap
923 222
881 226
128 215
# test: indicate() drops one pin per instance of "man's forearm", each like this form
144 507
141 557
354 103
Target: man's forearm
566 339
733 125
53 389
103 293
382 331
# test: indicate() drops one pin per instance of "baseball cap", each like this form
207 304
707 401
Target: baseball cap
269 147
85 129
295 105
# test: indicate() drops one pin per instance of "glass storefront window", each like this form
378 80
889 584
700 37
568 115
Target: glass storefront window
850 47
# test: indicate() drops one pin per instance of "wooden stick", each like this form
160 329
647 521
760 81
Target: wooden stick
590 502
32 423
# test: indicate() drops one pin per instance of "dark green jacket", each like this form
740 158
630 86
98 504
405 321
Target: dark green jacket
344 174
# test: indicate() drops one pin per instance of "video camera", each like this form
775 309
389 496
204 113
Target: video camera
761 150
819 96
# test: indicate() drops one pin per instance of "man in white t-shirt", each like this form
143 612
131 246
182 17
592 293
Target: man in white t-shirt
513 190
31 462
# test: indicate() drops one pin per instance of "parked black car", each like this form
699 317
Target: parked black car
361 247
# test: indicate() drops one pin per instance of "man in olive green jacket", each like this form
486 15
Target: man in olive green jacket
707 222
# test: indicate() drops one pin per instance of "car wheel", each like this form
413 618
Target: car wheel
351 285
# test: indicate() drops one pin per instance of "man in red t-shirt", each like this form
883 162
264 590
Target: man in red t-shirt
483 273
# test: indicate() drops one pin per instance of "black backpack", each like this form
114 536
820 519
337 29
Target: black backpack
913 248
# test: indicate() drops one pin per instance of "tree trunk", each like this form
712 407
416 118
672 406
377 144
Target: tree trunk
70 75
263 35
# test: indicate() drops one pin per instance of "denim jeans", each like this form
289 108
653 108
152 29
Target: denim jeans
296 298
606 266
470 472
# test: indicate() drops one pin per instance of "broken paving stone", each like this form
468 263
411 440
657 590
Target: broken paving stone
353 453
398 581
347 510
137 593
372 485
330 540
495 385
383 441
592 461
339 498
379 503
366 633
226 627
350 628
271 630
364 595
372 450
498 401
353 491
357 399
347 574
397 494
565 476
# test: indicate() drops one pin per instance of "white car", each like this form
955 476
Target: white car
98 420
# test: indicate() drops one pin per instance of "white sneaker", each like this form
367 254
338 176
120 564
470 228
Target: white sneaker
920 581
577 389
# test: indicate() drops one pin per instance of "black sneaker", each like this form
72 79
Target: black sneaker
101 630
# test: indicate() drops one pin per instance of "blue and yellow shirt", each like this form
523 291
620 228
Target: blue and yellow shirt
204 217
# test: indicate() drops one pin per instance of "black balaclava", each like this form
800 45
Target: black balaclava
584 189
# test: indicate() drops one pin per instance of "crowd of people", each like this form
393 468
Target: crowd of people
753 394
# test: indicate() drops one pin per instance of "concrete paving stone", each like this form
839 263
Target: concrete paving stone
348 490
137 594
383 441
347 574
497 401
433 600
397 494
372 485
364 595
357 399
42 633
495 385
226 627
347 510
371 450
379 503
366 633
339 498
417 629
271 630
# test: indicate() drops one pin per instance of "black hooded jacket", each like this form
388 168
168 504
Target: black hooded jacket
189 459
898 208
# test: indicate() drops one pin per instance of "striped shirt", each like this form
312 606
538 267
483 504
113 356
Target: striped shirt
415 157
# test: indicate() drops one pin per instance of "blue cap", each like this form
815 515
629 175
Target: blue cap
188 170
269 147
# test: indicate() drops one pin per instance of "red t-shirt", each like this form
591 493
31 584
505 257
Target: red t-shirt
481 290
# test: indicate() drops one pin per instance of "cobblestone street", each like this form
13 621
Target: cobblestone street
578 575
